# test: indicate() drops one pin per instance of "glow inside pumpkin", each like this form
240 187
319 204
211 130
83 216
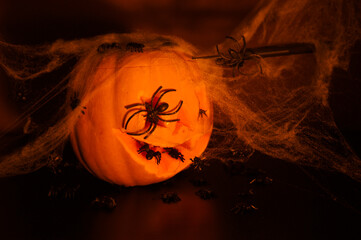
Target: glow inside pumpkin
104 146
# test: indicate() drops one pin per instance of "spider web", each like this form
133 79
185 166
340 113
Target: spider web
283 113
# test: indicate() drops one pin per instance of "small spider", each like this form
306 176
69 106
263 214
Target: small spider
174 153
55 159
243 208
150 153
75 103
248 194
258 176
135 47
205 194
198 182
198 163
202 113
235 59
169 44
261 180
106 46
170 197
63 191
153 113
104 202
235 168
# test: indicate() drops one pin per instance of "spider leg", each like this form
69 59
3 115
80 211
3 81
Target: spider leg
150 131
158 157
162 94
154 94
202 112
128 113
255 58
239 65
172 120
126 124
260 67
141 133
221 55
243 48
232 38
133 105
244 45
174 110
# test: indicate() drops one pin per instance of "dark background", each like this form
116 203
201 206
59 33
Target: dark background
301 203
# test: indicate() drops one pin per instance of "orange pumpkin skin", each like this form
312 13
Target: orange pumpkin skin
102 144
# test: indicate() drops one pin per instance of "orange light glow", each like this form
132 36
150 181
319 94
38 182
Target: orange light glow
106 148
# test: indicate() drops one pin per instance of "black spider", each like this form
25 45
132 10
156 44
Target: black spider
135 47
235 58
170 197
246 195
202 113
258 176
153 113
199 182
205 194
261 180
106 46
198 163
243 208
63 191
75 103
150 153
104 202
174 153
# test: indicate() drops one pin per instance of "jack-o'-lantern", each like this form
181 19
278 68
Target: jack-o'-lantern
147 118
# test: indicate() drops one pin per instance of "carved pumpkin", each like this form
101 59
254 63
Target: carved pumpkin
148 116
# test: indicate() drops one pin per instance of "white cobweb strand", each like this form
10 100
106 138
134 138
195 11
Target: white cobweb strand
283 113
24 63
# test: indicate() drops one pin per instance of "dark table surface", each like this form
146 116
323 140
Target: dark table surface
300 203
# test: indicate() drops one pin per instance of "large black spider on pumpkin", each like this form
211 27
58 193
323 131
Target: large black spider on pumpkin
153 111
